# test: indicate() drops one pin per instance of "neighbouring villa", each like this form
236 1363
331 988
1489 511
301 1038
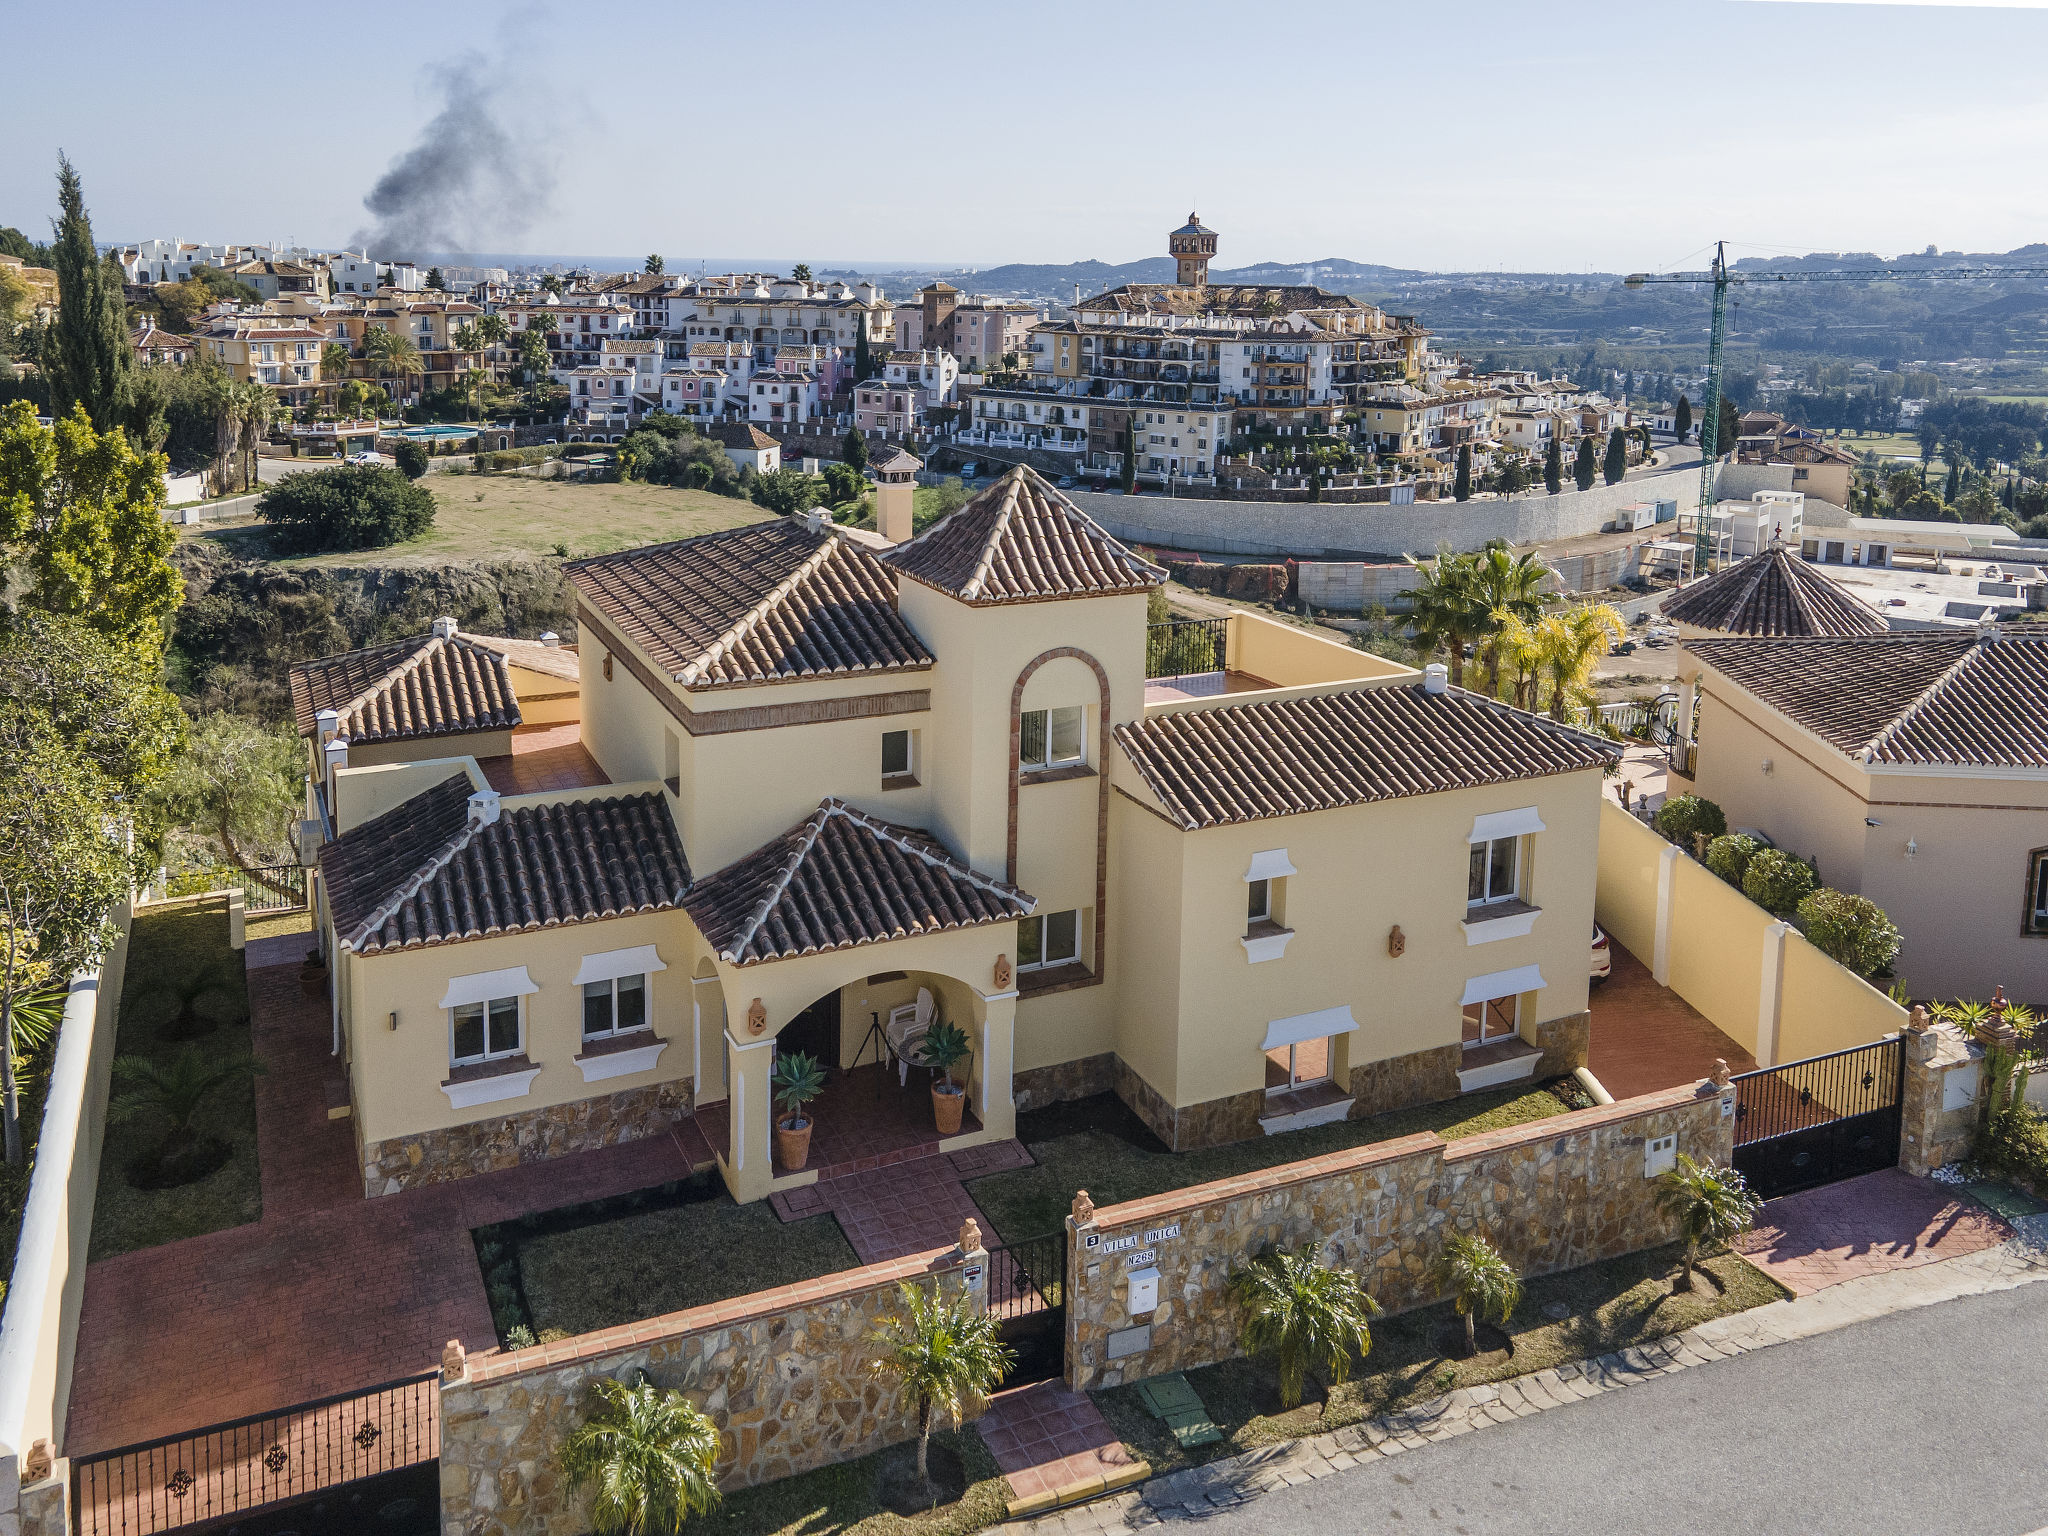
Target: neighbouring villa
800 789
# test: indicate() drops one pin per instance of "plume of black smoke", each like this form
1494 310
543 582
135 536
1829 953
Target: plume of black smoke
471 183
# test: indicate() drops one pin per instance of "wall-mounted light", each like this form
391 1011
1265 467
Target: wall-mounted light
394 1018
1912 846
1768 765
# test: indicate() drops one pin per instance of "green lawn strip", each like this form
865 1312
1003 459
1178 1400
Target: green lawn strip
268 925
1612 1305
1098 1145
593 1267
165 945
841 1498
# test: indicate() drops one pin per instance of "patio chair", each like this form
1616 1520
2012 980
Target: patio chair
908 1024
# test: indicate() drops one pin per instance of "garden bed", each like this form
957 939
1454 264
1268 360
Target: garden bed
169 947
1099 1145
844 1500
684 1244
1605 1307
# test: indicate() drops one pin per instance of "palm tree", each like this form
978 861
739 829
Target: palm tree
943 1354
392 354
1710 1203
1447 609
1570 643
491 331
649 1456
333 363
176 1090
258 409
1481 1282
1520 653
473 381
1310 1316
1509 585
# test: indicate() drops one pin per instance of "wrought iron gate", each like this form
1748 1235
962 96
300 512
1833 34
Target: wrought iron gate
1027 1294
1813 1122
249 1464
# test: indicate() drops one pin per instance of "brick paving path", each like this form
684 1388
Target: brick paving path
328 1292
1045 1438
1866 1226
1647 1037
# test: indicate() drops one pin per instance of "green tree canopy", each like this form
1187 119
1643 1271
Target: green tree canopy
1585 468
103 699
350 506
785 491
1616 464
237 789
1461 482
1553 466
86 356
654 266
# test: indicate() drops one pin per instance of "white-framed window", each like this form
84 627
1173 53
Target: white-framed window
615 1006
487 1030
1489 1020
1259 905
1495 872
2037 891
898 755
1299 1065
1051 738
1047 939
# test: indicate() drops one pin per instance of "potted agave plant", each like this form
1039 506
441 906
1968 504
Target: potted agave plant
796 1080
945 1047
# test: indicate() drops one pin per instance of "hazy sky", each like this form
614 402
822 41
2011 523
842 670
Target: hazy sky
1553 136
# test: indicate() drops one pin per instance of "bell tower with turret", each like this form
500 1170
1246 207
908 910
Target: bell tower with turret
1191 246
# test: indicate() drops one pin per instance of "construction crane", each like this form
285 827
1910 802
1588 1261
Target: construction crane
1721 278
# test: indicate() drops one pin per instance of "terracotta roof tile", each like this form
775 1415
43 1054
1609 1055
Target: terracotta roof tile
1021 541
770 602
1246 762
839 879
421 874
1932 698
1774 592
429 686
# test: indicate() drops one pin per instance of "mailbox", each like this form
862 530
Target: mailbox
1143 1293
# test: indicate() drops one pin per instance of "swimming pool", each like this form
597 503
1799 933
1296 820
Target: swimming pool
438 432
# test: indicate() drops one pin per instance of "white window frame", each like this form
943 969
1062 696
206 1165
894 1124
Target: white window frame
909 768
1259 901
489 1005
1042 923
1046 733
2037 904
611 986
1482 857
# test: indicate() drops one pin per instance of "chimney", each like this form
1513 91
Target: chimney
326 726
551 640
334 753
1436 678
1987 632
483 808
444 628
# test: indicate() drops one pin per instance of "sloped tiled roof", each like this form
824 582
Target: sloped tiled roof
737 434
428 686
533 655
1773 592
1021 541
770 602
1212 767
1927 697
421 874
839 879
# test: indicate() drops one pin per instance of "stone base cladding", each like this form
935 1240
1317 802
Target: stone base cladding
1552 1195
1929 1135
1036 1087
1401 1082
1564 1042
530 1136
785 1374
1192 1126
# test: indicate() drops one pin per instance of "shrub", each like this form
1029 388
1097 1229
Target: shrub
784 491
1682 817
2014 1144
350 506
1778 881
506 459
1728 856
1312 1317
1710 1204
411 458
1480 1281
1852 930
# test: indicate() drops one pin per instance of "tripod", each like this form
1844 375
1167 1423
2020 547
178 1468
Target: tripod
880 1042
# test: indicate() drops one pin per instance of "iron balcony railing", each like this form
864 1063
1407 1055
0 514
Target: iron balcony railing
1184 647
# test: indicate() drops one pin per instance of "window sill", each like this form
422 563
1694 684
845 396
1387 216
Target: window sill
1501 920
619 1055
490 1082
899 781
1052 978
1265 941
1055 775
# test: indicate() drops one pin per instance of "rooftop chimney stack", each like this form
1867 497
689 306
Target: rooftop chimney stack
483 808
1436 678
444 628
551 640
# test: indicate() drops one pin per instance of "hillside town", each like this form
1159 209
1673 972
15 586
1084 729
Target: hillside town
842 901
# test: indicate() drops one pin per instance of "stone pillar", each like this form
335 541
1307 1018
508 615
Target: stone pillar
995 1102
1939 1100
238 919
1083 1344
747 1160
45 1501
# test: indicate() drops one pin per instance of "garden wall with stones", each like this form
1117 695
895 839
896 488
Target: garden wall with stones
786 1374
1551 1195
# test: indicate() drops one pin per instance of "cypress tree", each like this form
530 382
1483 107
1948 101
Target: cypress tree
1553 466
863 366
1585 468
1130 464
1461 484
1681 420
1617 457
86 356
855 449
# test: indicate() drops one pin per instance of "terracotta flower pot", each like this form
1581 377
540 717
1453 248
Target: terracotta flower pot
793 1143
948 1101
313 979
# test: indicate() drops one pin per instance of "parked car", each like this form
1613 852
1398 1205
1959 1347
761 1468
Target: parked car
1066 482
1626 647
1603 955
970 469
364 457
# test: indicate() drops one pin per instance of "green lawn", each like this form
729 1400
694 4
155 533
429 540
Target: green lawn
1099 1145
840 1500
483 517
166 947
1607 1306
637 1256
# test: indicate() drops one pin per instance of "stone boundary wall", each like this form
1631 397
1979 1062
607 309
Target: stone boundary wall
786 1374
1551 1195
1340 532
39 1329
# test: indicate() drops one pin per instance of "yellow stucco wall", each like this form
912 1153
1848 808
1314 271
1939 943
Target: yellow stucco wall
1823 1007
1717 950
361 794
1287 655
1812 800
419 748
1627 900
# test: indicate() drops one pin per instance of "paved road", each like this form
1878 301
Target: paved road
1920 1424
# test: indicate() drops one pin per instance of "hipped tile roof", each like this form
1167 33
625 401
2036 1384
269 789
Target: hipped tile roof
422 874
1021 541
1213 767
839 879
428 686
1927 697
1773 592
770 602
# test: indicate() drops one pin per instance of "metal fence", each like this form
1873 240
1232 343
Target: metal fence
1811 1122
265 1459
273 888
1183 647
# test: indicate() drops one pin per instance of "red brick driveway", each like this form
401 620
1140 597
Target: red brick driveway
1647 1037
1865 1226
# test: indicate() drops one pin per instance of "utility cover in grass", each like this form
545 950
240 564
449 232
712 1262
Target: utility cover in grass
1179 1407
